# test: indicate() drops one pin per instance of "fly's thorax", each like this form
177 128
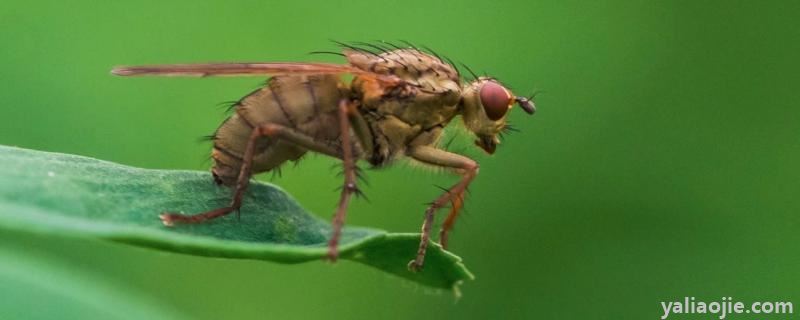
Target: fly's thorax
417 109
392 136
407 64
397 117
428 80
427 101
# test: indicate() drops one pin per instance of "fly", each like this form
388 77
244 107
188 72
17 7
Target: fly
396 106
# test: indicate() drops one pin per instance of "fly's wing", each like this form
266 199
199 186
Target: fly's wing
252 69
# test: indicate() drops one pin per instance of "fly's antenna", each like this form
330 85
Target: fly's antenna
526 104
535 93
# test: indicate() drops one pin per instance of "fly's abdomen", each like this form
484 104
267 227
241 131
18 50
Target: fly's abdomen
307 104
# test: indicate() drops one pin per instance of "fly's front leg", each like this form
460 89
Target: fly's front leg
346 112
468 169
269 130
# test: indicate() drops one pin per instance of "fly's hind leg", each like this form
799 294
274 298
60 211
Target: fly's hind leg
268 130
468 169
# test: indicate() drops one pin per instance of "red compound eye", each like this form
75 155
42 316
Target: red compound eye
495 100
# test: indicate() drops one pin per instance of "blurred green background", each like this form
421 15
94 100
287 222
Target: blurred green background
663 161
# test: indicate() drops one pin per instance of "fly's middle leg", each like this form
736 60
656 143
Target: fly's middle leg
268 130
468 169
346 112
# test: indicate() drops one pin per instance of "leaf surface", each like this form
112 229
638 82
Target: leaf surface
77 196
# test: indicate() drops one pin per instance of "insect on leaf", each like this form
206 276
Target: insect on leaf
77 196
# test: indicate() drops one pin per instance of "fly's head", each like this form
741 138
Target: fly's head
485 104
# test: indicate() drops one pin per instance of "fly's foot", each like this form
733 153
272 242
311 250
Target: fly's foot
414 266
168 218
333 254
443 241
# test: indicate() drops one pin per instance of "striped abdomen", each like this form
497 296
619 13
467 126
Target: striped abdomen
307 104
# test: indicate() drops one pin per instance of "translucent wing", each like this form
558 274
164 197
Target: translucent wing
250 69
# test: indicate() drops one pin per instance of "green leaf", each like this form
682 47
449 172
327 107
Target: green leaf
40 286
78 196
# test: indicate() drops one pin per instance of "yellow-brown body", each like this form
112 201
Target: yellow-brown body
396 105
308 104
